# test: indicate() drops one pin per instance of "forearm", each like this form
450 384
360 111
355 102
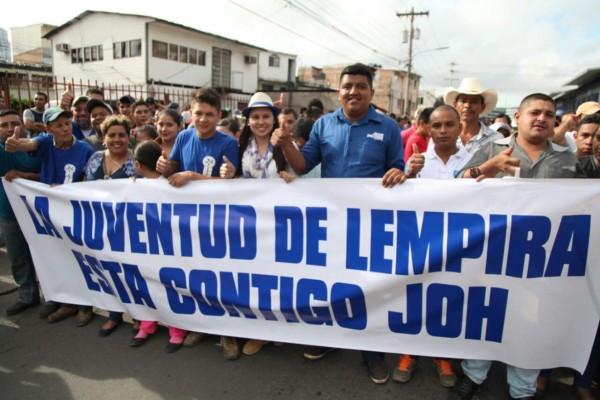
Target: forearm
294 158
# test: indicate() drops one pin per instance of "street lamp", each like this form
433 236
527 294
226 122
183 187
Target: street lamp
409 67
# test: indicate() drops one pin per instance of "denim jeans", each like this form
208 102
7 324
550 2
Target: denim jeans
20 260
521 381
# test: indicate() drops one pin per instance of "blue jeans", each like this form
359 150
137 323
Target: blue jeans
521 381
20 260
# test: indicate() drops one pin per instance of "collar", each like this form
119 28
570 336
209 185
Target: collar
72 143
372 115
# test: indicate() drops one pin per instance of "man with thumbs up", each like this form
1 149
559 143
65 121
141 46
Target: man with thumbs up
528 154
17 165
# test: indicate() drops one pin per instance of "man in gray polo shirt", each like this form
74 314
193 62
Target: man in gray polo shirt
528 154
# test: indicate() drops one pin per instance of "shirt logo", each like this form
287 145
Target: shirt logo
209 163
376 136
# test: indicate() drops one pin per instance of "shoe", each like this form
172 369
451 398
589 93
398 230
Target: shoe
19 307
253 346
406 365
378 371
62 313
193 339
584 393
445 374
137 342
48 308
83 318
173 347
231 348
112 325
317 352
465 388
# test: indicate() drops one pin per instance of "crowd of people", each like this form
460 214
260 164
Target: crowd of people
86 139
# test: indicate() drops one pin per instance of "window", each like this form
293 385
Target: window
201 57
135 48
94 53
73 56
221 68
193 56
160 49
273 60
88 54
183 54
117 50
173 52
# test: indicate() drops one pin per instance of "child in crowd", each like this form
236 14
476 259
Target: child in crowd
146 155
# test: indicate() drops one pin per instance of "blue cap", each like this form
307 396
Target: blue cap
54 112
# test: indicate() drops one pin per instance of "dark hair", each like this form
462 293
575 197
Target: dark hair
95 91
316 103
139 103
503 115
147 154
358 69
114 120
290 111
425 114
208 96
443 107
314 112
149 129
171 113
302 128
589 119
536 96
230 123
42 94
4 113
244 140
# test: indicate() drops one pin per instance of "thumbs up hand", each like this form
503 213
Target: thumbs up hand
227 170
12 142
164 165
416 162
66 99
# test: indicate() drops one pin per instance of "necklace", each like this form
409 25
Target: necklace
110 165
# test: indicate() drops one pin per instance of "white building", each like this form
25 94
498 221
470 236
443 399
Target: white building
4 46
128 49
29 45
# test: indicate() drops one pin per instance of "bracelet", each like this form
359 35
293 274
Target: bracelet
475 172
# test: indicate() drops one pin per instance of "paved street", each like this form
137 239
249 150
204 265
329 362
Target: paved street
62 362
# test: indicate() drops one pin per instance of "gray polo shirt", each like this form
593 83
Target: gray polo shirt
554 162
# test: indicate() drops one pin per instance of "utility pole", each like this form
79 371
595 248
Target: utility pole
412 15
452 71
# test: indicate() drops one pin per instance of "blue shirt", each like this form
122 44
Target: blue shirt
19 161
203 156
61 165
364 149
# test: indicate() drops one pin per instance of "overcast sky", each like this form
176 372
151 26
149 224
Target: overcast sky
513 46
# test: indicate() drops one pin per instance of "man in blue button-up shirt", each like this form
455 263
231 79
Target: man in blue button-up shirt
353 142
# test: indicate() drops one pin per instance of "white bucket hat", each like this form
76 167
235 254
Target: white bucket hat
472 86
260 99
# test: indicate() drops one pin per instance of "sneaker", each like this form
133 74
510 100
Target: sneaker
62 313
19 307
173 347
253 346
193 339
231 348
317 352
48 308
83 317
406 365
446 375
378 371
465 388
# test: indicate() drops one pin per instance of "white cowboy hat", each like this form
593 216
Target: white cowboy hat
260 99
472 86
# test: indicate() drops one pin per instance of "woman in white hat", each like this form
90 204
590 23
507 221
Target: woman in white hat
258 159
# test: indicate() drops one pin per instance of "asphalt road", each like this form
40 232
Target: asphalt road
60 361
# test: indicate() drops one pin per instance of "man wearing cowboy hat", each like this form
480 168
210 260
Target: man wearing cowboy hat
471 102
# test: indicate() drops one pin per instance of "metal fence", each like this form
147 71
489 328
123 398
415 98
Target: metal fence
23 88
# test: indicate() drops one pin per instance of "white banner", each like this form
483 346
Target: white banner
500 270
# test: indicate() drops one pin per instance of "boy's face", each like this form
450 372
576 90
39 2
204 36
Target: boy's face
205 118
62 130
141 115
